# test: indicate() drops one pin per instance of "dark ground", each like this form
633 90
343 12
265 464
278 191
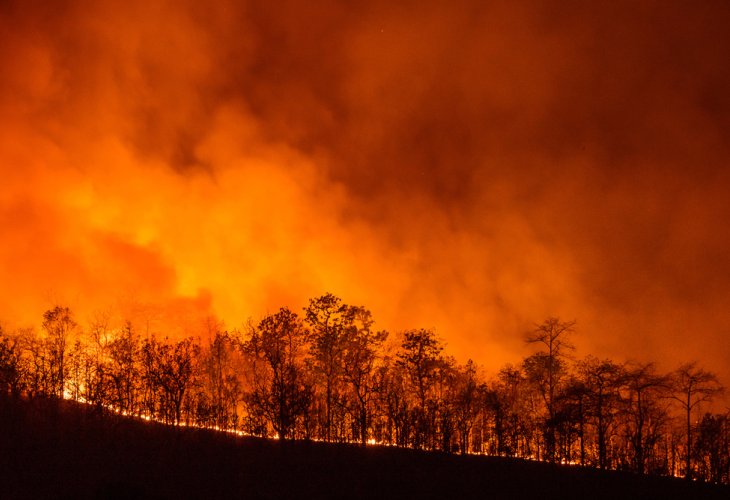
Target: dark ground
52 451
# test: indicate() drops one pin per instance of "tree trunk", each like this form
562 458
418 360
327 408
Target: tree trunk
688 454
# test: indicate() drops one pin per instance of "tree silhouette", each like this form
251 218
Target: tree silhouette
505 401
329 320
571 417
546 368
168 368
91 370
393 401
469 402
10 366
343 381
712 448
219 388
58 324
124 353
692 386
645 387
603 381
280 391
420 356
360 354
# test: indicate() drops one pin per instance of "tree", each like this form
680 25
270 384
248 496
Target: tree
712 448
58 324
10 365
645 387
220 382
279 392
441 415
168 368
393 401
90 367
123 368
329 320
570 417
87 379
469 401
360 353
505 401
420 355
546 368
692 386
35 363
602 380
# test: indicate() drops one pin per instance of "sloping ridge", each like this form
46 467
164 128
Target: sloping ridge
52 449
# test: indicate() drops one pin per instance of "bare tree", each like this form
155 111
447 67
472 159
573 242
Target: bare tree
279 390
169 369
360 354
603 380
571 417
91 380
645 388
442 408
393 401
469 402
328 319
219 378
692 386
420 355
546 368
58 324
123 368
35 363
712 448
10 365
553 335
505 402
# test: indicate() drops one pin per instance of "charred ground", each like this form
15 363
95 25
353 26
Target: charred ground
52 449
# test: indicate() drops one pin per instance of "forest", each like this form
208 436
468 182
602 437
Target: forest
328 375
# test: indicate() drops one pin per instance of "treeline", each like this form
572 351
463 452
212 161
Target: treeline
328 374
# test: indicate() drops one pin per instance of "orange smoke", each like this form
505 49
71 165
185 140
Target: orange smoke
474 167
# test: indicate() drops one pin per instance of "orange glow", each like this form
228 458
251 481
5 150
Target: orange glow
465 167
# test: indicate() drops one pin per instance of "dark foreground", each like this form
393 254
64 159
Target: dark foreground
67 451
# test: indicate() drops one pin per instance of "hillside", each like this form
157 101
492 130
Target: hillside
51 450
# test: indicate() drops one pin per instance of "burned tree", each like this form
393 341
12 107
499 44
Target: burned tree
419 356
547 367
10 366
280 391
360 355
328 319
58 323
602 380
168 369
645 389
691 387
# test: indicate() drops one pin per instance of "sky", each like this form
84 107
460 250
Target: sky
469 166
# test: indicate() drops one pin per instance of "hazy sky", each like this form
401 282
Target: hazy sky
469 166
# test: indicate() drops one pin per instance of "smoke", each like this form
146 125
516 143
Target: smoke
472 167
